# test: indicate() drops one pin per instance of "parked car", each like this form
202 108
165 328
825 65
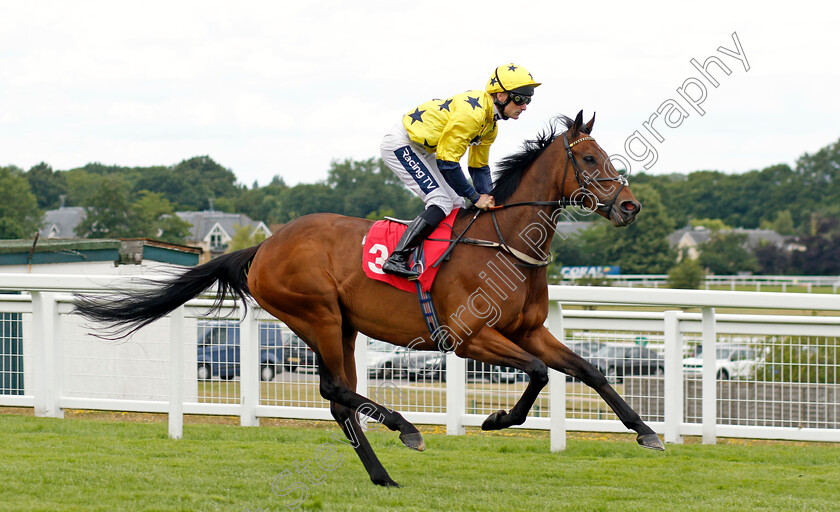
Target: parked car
401 363
585 348
731 362
434 368
380 351
298 355
617 361
218 349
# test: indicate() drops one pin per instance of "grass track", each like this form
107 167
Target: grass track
74 464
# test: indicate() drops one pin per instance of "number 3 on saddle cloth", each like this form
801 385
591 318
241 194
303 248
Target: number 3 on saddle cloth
381 240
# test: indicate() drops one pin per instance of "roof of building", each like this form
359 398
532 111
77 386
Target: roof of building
754 236
62 222
203 222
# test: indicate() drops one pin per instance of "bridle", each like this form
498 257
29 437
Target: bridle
583 179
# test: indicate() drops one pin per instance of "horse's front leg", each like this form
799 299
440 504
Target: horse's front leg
554 354
490 346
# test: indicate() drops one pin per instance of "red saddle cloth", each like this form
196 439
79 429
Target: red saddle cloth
383 237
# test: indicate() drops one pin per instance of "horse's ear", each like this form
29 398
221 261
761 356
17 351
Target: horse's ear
587 128
578 122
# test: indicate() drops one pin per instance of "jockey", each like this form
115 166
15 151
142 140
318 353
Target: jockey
425 149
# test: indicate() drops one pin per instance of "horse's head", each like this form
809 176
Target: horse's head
588 178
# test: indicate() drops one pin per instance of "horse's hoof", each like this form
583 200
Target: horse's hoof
650 441
413 441
385 482
493 421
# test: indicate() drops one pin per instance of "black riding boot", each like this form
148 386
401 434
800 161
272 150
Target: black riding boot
420 228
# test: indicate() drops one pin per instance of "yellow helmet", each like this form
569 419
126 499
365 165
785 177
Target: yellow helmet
511 78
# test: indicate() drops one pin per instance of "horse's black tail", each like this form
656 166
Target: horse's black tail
127 312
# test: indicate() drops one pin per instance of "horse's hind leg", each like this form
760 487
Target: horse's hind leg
350 425
336 388
338 380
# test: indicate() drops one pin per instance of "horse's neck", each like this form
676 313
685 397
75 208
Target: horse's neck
538 183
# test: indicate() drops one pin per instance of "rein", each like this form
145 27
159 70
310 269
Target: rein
525 260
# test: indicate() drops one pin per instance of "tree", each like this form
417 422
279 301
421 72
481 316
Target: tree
782 224
154 217
822 247
48 186
725 253
367 186
570 251
772 260
244 237
189 185
19 213
11 229
81 186
108 214
303 199
687 274
710 224
205 180
259 202
640 248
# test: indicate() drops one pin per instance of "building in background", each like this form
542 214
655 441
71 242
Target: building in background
688 240
212 231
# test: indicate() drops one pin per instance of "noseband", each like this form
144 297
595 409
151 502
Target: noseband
584 180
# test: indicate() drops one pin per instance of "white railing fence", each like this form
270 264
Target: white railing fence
756 282
788 388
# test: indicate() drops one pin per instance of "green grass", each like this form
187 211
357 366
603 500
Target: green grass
75 464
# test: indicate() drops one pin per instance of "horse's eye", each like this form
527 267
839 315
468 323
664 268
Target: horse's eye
589 159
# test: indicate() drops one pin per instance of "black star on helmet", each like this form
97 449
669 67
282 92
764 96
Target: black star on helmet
473 102
417 115
511 68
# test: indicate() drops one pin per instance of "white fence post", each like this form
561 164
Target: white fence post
674 387
47 363
361 356
709 376
556 384
362 343
176 374
249 367
456 394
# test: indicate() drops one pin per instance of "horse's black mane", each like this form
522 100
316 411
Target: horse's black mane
510 169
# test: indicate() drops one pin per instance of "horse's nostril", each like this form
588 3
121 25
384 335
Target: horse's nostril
631 206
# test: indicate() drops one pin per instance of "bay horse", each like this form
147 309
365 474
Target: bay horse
309 275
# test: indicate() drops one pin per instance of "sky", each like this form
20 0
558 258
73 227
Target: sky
285 88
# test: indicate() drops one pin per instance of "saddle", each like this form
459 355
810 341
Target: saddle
383 237
381 240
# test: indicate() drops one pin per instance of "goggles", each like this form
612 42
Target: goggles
519 99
